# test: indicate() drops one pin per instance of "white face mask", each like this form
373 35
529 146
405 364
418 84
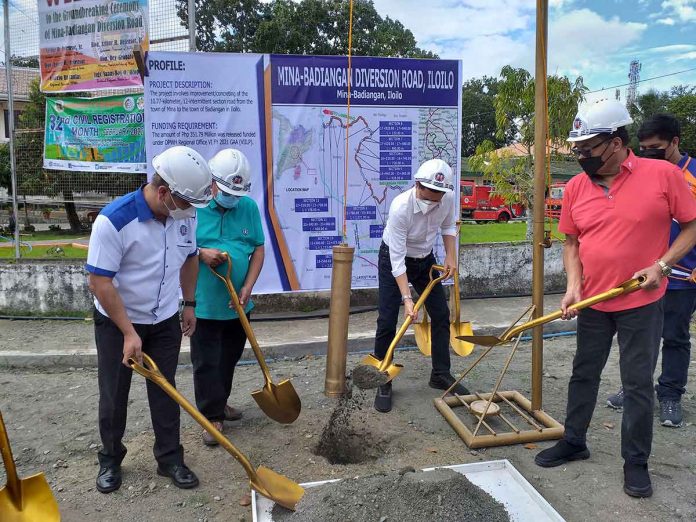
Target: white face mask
177 213
425 205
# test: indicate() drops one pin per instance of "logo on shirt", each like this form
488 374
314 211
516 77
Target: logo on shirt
245 231
183 230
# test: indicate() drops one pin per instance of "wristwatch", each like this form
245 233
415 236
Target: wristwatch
664 267
192 304
406 298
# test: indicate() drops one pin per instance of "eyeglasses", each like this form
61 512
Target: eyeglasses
587 152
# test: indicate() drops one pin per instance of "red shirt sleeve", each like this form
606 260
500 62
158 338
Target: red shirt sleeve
566 225
681 202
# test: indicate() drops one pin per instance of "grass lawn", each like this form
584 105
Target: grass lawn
45 252
50 235
497 232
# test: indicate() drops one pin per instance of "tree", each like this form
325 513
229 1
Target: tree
684 109
25 61
317 27
513 176
478 115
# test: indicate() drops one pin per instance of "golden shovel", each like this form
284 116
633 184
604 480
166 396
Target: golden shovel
24 500
386 367
279 401
265 481
491 340
457 327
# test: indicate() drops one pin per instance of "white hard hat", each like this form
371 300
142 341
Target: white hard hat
186 173
231 171
436 175
601 117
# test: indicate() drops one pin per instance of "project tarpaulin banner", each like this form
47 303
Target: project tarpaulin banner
95 134
88 45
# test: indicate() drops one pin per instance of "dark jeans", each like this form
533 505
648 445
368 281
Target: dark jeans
216 347
639 331
676 344
417 271
162 342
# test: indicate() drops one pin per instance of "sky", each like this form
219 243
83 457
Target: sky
595 39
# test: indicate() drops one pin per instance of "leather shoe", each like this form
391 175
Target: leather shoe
637 480
109 478
443 382
383 399
181 476
232 414
560 453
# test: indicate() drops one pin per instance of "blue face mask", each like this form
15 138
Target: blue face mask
227 201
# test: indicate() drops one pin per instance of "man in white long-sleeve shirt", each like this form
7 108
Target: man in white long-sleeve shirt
406 256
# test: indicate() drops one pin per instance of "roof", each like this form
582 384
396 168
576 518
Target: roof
21 82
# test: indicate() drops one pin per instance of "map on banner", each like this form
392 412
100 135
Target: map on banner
386 145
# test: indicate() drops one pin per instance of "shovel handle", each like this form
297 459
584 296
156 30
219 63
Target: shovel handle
150 371
13 484
624 288
389 356
243 318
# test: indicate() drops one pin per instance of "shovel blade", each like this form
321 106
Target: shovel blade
277 487
36 502
423 337
279 401
482 340
457 331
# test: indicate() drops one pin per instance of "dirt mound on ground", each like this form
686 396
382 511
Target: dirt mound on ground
440 495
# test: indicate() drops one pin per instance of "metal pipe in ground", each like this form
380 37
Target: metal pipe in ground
337 352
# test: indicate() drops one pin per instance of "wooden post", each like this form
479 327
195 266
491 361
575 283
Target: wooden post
540 133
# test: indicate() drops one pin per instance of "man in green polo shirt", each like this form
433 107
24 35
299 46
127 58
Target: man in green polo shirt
231 223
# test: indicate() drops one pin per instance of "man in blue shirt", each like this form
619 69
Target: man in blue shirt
659 139
141 251
230 224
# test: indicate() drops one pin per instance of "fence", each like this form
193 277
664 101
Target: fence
55 198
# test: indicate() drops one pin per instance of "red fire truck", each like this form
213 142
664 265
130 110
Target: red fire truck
480 203
554 199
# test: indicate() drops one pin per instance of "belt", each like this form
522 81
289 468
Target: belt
386 247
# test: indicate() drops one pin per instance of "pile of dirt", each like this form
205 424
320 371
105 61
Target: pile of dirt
344 440
400 496
367 377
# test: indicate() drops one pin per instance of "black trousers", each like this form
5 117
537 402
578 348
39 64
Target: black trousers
639 331
417 271
216 347
162 342
676 344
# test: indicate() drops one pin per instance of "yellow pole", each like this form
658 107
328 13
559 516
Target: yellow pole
540 133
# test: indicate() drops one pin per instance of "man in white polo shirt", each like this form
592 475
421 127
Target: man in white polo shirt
141 251
416 217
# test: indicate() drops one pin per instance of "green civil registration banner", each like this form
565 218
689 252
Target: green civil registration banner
95 134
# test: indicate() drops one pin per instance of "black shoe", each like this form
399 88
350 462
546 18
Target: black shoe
561 453
637 480
443 382
109 478
181 476
383 399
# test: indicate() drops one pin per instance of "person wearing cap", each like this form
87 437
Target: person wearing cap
416 217
616 216
659 138
142 250
229 226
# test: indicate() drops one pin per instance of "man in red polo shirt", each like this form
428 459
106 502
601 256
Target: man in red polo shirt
616 217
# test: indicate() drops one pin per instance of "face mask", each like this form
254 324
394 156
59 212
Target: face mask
592 164
425 205
654 153
177 213
227 201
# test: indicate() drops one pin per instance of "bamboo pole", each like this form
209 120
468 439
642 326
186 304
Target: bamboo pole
540 133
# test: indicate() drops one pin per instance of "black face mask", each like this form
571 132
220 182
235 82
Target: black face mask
653 153
592 164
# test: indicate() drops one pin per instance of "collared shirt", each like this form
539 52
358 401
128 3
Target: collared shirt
410 233
142 255
686 264
625 228
237 231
